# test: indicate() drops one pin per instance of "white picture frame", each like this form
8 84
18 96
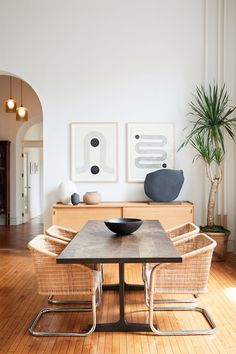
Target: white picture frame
150 146
94 152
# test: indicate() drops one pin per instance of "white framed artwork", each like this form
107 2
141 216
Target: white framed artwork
94 152
150 147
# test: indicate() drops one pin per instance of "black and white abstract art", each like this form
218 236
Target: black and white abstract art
94 152
150 147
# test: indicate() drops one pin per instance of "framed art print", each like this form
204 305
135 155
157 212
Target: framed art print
94 152
150 146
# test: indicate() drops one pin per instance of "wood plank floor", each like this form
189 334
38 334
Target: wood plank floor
19 302
17 237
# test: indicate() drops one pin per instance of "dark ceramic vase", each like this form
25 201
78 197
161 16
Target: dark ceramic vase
75 199
163 185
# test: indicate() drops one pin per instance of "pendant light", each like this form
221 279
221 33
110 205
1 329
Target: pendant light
21 112
10 104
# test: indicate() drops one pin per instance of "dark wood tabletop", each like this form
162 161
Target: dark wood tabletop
96 244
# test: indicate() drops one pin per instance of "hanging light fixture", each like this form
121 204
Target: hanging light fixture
10 104
21 112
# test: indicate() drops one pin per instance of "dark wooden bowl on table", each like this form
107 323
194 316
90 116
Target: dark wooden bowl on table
123 226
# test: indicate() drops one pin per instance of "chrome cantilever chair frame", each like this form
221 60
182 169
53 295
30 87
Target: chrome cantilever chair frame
176 233
62 279
193 277
64 334
206 315
192 300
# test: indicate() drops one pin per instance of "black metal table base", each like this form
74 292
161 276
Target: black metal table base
128 287
122 325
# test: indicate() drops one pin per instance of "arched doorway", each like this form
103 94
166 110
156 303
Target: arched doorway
16 132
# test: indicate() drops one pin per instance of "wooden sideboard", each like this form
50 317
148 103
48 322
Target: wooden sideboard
169 214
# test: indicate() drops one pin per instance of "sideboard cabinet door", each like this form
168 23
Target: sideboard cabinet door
168 215
76 218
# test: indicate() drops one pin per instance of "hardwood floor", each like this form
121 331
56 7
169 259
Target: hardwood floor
17 237
19 302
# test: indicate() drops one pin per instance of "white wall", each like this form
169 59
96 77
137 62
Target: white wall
35 132
124 61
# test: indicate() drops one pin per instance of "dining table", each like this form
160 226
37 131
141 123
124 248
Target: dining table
95 243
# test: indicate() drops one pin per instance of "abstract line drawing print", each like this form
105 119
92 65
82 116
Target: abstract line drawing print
94 152
150 147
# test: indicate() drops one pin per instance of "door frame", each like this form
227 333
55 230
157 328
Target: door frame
27 144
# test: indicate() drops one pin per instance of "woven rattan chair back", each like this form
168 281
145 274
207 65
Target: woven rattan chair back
182 231
190 276
59 279
65 234
176 233
61 232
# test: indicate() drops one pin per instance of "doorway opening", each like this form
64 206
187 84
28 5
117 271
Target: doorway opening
32 175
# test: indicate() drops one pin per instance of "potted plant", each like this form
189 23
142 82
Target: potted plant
211 122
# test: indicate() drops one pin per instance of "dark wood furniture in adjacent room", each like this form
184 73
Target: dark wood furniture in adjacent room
5 180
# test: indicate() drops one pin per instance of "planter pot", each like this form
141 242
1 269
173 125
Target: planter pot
221 239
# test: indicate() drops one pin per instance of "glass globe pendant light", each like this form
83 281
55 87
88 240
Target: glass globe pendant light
21 112
10 104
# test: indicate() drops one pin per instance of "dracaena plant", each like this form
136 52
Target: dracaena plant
210 122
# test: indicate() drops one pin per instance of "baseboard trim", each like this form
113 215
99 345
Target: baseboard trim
15 220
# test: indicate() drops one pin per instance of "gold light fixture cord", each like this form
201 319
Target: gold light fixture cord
10 87
21 95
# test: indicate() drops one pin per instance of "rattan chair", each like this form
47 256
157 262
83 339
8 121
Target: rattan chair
175 234
62 279
60 232
66 234
188 277
182 231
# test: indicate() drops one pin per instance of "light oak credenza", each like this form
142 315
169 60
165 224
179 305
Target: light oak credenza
169 214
